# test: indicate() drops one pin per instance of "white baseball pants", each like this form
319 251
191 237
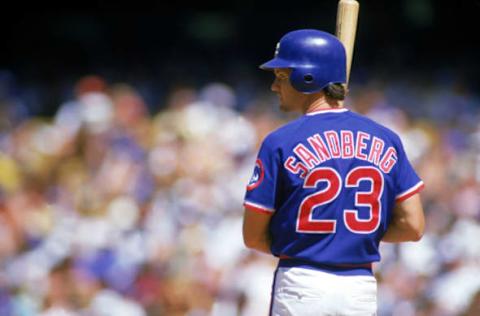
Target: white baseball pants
304 292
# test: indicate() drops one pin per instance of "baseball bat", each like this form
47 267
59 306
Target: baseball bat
347 16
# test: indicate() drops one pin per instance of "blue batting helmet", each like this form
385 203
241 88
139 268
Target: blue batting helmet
316 58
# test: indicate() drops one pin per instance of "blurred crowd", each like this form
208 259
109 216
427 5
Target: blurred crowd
108 208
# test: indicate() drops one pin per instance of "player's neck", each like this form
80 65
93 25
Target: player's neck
322 103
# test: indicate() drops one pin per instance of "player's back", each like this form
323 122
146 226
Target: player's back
334 178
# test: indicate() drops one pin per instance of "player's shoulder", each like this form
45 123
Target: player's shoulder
283 133
370 124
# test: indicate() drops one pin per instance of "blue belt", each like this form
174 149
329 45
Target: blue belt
340 269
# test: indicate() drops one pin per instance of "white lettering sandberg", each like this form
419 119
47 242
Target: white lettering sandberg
344 146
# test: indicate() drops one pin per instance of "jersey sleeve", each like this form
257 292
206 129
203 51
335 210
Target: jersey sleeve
261 190
407 182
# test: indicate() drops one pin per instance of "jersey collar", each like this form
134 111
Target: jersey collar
323 111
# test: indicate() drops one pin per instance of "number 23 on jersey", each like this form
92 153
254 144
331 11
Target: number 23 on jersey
370 199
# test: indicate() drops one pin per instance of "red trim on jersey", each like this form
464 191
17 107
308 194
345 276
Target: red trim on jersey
330 110
410 192
257 208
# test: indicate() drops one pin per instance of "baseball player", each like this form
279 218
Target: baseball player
326 187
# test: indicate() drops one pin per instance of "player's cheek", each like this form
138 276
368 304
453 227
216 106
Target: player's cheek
275 86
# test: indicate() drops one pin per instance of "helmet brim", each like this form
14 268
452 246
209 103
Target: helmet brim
275 63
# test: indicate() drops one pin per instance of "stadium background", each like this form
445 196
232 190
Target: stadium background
127 136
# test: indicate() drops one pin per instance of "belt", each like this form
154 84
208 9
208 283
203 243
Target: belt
340 269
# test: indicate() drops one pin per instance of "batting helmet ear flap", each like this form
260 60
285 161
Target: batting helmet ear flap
305 80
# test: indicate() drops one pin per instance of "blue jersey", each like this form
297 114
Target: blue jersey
330 180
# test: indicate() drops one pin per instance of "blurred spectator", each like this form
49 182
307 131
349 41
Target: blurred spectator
108 209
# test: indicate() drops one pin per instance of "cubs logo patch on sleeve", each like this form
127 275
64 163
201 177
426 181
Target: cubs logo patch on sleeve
257 176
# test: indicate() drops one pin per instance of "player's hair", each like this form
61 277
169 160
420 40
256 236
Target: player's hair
335 91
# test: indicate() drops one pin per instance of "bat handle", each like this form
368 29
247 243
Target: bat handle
347 16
